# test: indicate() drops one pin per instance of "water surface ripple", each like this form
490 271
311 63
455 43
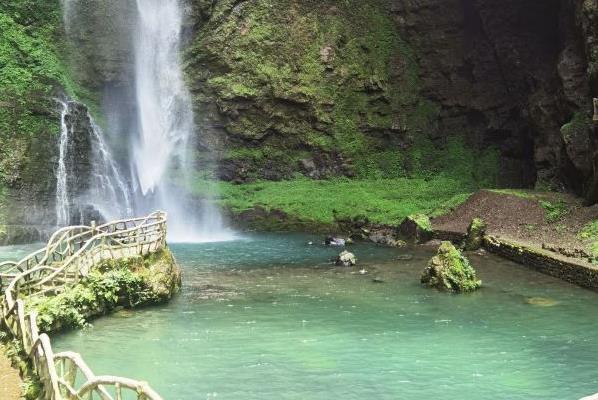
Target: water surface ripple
269 318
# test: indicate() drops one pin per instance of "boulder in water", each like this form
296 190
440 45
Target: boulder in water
346 259
332 241
450 271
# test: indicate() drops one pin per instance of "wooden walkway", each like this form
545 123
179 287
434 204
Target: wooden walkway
70 255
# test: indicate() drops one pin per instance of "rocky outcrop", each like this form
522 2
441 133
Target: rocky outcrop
450 271
112 285
417 228
475 234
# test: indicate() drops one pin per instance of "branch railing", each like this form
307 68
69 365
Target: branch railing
70 255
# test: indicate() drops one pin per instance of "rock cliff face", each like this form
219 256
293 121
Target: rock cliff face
491 91
514 74
317 87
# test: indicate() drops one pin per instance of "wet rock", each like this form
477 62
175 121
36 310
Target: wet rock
346 259
378 280
450 271
386 238
163 276
332 241
475 234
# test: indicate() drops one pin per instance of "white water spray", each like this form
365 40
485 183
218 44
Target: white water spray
166 124
105 189
108 192
62 199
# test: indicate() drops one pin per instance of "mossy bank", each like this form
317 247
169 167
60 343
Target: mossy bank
127 283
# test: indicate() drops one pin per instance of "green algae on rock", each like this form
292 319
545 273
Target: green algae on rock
416 227
475 234
450 271
125 283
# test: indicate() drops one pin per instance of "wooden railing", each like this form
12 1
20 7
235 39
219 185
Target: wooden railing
69 256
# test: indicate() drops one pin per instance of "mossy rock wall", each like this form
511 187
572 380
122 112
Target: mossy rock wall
32 74
318 89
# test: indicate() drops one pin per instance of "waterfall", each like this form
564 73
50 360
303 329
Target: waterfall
62 202
89 184
162 151
153 111
108 192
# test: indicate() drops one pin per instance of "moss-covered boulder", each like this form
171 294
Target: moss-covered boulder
450 271
111 285
416 227
475 234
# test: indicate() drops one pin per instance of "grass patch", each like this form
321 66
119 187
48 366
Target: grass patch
522 193
386 201
589 233
555 211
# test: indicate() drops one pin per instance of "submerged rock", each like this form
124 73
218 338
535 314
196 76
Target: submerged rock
346 259
541 301
475 234
450 271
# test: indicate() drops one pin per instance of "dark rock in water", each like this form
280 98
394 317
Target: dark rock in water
332 241
405 257
346 259
386 238
417 228
450 271
378 280
475 234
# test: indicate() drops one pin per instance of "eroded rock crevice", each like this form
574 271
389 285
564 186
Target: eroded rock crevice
511 74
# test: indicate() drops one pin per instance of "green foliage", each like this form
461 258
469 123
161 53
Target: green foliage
589 233
386 201
112 283
450 270
422 221
555 211
524 194
31 73
478 169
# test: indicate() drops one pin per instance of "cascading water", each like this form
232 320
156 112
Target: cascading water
102 189
166 125
154 117
62 198
108 192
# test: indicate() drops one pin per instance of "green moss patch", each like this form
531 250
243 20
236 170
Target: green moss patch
127 282
450 271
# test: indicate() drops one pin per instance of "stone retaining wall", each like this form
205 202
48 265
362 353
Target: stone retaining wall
575 271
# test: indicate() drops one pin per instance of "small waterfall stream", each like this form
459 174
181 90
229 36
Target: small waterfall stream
88 180
62 195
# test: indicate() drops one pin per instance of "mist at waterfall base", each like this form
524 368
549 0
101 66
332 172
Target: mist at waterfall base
159 136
